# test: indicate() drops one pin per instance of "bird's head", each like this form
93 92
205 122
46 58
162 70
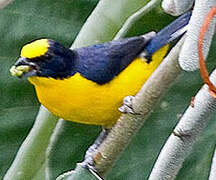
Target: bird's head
44 58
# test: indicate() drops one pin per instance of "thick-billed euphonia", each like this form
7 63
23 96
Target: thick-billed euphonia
87 85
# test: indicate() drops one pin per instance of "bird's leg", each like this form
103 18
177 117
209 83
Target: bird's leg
127 106
97 143
92 150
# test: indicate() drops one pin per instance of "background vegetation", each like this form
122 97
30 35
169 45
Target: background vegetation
23 21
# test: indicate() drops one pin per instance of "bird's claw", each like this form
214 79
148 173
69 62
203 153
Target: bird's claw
127 106
91 153
88 163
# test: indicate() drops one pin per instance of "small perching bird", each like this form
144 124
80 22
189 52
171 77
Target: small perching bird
87 85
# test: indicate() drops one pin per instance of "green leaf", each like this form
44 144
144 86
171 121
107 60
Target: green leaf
80 173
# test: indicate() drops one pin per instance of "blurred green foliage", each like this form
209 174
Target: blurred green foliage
23 21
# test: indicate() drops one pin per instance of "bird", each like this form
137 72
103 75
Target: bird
92 84
87 84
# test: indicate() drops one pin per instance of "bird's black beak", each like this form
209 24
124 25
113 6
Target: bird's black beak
21 62
23 67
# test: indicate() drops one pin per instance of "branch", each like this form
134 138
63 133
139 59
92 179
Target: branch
4 3
109 20
128 124
135 17
189 53
185 134
177 7
53 140
31 154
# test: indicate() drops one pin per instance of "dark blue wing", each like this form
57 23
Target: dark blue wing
102 62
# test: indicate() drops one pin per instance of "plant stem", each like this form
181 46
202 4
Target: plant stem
31 154
135 17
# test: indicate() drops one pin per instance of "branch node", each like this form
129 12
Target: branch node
182 135
192 102
127 106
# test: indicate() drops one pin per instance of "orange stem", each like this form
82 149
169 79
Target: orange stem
203 70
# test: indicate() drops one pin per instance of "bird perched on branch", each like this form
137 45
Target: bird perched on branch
87 85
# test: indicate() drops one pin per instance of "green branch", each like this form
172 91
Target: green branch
32 153
135 17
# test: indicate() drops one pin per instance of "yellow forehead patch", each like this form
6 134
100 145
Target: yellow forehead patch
35 49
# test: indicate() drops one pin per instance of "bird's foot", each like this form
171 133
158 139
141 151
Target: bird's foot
91 153
93 148
127 106
88 163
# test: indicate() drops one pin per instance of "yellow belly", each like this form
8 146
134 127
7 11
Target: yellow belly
80 100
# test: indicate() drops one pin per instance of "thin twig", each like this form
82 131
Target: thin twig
53 140
135 17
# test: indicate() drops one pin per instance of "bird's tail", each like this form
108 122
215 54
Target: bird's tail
167 34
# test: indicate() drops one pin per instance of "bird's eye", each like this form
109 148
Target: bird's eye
48 55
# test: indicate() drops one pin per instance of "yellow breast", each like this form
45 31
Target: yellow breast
80 100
